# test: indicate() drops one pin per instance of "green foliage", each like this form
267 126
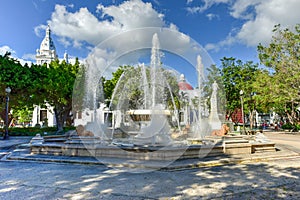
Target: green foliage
38 85
282 57
109 85
237 76
58 88
292 127
130 87
79 89
19 78
24 115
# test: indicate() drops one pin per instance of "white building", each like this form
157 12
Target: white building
44 116
188 94
103 115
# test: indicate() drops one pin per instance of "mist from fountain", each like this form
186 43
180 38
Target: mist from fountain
93 94
200 127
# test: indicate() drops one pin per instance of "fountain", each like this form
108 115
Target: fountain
151 113
145 119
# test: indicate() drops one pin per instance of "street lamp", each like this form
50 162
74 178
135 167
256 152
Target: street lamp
7 91
242 105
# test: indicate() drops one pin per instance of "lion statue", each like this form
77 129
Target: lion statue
82 132
223 131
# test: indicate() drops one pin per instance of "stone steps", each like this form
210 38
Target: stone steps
264 149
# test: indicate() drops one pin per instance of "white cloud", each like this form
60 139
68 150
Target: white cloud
259 18
230 40
71 5
173 27
240 9
194 10
28 57
207 4
211 16
268 14
84 26
212 47
5 49
64 41
133 14
79 26
117 31
40 30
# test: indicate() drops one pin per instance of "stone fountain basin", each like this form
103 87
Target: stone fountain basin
128 152
197 148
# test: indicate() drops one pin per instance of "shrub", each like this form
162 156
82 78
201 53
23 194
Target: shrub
32 131
293 127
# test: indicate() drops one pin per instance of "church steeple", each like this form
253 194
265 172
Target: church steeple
47 51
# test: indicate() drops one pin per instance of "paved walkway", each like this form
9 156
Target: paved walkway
33 180
275 179
8 145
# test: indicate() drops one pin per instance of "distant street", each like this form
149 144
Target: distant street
290 139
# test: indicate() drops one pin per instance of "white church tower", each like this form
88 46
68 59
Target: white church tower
47 51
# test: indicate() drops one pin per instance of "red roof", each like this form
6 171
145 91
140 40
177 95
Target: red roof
184 86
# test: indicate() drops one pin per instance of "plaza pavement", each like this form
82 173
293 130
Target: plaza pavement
8 145
270 178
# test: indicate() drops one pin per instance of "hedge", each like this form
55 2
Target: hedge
32 131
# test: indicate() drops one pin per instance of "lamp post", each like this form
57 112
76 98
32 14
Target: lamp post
253 112
7 91
242 105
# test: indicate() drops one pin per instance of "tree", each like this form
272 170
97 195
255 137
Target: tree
20 79
58 89
24 115
39 85
129 87
79 90
282 57
237 76
110 84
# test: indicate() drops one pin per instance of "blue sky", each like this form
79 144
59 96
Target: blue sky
230 28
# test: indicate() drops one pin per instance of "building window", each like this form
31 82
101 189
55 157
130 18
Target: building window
181 117
43 115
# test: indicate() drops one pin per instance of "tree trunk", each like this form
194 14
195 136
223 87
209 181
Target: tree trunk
3 116
251 120
59 120
61 115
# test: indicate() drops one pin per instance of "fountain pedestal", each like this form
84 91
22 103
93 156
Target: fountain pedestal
156 129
